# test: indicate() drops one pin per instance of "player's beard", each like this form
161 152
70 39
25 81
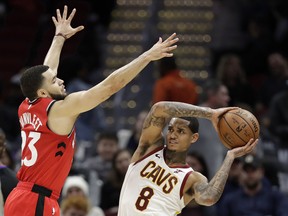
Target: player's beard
175 157
58 96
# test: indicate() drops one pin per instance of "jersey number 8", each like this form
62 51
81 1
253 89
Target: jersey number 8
144 198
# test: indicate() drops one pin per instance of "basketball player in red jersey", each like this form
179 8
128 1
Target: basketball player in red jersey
158 180
47 117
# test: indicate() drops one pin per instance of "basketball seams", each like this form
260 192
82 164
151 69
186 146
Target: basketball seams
233 129
246 123
222 138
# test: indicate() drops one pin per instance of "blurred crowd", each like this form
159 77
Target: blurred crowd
251 73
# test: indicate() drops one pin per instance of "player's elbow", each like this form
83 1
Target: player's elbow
206 200
156 108
209 202
110 88
159 106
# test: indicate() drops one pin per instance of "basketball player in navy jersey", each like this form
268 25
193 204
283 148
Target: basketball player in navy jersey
158 180
47 117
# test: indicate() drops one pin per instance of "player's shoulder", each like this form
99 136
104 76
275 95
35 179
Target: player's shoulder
144 152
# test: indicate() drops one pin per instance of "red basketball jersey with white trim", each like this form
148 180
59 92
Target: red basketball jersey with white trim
153 188
46 157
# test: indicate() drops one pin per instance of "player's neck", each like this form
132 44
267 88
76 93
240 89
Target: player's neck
173 158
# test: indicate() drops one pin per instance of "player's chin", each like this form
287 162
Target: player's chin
63 93
172 147
60 96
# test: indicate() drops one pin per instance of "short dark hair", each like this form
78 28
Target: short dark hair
193 123
31 80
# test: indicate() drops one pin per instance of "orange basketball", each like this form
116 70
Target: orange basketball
237 127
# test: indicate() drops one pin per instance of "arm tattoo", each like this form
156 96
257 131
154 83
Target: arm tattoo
155 121
144 150
213 191
187 110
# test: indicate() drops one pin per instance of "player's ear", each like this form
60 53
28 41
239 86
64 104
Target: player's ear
42 93
194 137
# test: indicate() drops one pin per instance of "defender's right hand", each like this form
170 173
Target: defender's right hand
63 25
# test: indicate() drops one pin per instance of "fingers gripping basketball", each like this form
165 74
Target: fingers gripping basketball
237 127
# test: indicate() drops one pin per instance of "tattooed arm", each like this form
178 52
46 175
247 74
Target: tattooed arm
208 193
158 117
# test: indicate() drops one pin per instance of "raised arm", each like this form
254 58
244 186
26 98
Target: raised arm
159 116
80 102
209 193
63 31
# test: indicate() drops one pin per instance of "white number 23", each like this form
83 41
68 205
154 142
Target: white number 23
31 145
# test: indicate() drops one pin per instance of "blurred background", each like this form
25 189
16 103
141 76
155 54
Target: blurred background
241 43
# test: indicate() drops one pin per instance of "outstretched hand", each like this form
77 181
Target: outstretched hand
63 24
163 48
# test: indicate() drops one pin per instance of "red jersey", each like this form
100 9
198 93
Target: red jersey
46 157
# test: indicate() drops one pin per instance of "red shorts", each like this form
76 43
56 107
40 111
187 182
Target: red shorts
23 201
